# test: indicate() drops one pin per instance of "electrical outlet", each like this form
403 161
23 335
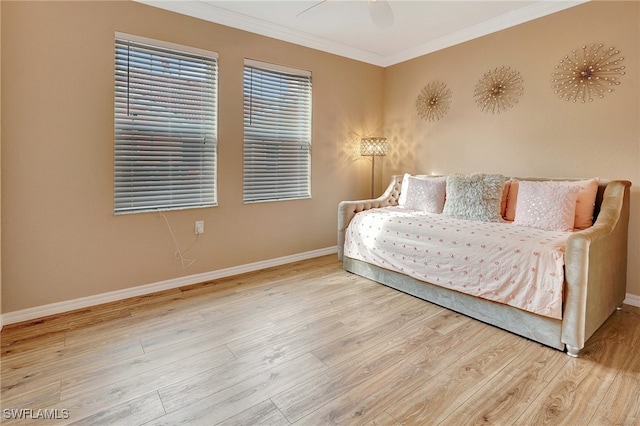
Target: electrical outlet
199 227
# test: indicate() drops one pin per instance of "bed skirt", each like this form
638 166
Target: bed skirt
547 331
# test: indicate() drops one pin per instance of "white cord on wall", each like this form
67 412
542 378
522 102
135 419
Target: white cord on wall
179 254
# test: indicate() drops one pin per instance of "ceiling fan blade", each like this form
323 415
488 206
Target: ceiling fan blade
311 7
381 13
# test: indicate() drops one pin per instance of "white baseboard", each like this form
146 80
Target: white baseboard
84 302
632 300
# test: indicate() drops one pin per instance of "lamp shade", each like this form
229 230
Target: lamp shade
374 146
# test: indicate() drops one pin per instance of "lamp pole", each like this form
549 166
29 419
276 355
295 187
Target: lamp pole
373 147
373 165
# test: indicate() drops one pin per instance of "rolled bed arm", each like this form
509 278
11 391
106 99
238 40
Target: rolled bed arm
348 209
596 268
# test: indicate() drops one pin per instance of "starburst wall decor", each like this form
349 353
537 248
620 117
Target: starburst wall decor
588 73
433 101
498 90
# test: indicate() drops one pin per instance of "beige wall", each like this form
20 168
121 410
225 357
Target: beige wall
61 240
542 135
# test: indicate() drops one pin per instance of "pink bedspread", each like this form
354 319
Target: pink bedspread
515 265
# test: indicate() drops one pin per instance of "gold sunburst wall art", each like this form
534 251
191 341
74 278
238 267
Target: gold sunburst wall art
588 73
433 101
498 90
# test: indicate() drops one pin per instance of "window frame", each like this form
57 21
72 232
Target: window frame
278 167
158 163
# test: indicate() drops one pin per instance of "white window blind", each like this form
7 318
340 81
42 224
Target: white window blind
165 126
277 133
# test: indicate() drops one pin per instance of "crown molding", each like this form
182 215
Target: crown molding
209 12
512 19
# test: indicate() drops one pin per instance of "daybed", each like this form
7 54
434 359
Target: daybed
390 237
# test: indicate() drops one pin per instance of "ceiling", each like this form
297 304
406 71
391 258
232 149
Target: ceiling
411 28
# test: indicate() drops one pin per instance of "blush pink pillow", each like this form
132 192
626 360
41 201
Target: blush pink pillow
512 200
426 194
546 205
505 198
586 202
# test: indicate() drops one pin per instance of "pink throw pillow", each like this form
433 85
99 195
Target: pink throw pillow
505 198
546 205
512 200
586 202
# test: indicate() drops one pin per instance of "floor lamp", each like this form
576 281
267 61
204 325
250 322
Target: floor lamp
373 147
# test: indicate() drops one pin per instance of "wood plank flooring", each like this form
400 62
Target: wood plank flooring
307 344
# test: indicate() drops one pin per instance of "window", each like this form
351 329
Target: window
277 133
165 126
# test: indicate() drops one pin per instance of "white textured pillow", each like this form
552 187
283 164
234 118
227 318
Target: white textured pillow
426 194
402 199
474 197
546 205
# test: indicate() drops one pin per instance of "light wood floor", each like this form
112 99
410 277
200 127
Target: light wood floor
308 344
